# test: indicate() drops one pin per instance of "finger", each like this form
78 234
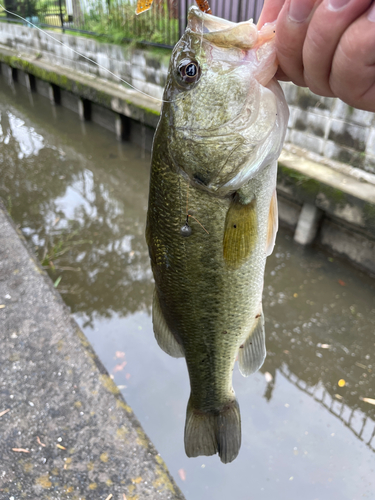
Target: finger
270 11
280 75
329 22
355 55
291 28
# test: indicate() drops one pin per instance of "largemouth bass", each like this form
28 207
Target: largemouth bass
212 216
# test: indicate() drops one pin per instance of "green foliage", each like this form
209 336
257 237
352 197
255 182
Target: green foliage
62 242
118 21
111 21
42 7
24 8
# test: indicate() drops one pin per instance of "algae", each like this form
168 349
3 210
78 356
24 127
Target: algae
307 188
369 215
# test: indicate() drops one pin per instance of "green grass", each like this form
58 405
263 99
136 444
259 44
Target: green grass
121 22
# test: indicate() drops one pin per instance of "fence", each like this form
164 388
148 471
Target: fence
162 25
362 426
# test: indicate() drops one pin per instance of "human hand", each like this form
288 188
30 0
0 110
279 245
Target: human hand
326 45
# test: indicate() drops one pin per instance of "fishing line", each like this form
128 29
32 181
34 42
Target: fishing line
85 57
185 228
201 225
187 199
94 62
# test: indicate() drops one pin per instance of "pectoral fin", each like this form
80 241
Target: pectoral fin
240 233
253 352
273 224
163 335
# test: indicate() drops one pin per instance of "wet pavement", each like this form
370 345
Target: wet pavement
80 199
65 430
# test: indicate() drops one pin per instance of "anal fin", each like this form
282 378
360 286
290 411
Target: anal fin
163 335
253 352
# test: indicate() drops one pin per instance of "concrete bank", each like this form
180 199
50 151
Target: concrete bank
322 125
124 111
65 430
328 204
323 201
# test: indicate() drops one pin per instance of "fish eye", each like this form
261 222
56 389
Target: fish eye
189 71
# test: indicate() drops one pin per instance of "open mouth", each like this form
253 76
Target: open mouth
221 32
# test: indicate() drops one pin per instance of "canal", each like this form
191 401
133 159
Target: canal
308 417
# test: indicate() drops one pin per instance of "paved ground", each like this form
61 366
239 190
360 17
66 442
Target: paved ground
65 430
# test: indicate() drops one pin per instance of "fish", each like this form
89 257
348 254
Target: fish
212 215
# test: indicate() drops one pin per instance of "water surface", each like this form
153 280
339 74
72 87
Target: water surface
80 198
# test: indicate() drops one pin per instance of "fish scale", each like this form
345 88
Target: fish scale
209 280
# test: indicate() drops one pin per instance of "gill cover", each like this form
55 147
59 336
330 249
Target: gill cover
226 114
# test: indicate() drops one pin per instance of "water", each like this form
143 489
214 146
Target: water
80 198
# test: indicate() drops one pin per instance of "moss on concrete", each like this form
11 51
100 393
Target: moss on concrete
307 189
306 100
369 214
336 202
346 139
145 114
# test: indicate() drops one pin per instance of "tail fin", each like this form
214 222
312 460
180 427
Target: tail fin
207 433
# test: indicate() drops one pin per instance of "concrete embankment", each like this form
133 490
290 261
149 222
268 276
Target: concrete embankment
327 203
65 430
321 200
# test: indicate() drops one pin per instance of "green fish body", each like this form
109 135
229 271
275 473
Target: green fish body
212 216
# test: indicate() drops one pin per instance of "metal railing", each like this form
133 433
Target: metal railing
162 25
361 425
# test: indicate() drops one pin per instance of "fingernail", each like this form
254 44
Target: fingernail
337 4
299 10
371 14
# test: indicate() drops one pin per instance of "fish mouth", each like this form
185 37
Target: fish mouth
221 32
201 22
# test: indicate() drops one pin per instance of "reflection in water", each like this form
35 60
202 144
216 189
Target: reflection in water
328 331
359 423
86 222
81 201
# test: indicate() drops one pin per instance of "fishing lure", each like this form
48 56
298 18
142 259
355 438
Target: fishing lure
143 5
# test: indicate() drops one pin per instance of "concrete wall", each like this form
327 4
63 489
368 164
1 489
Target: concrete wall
322 125
331 128
145 70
